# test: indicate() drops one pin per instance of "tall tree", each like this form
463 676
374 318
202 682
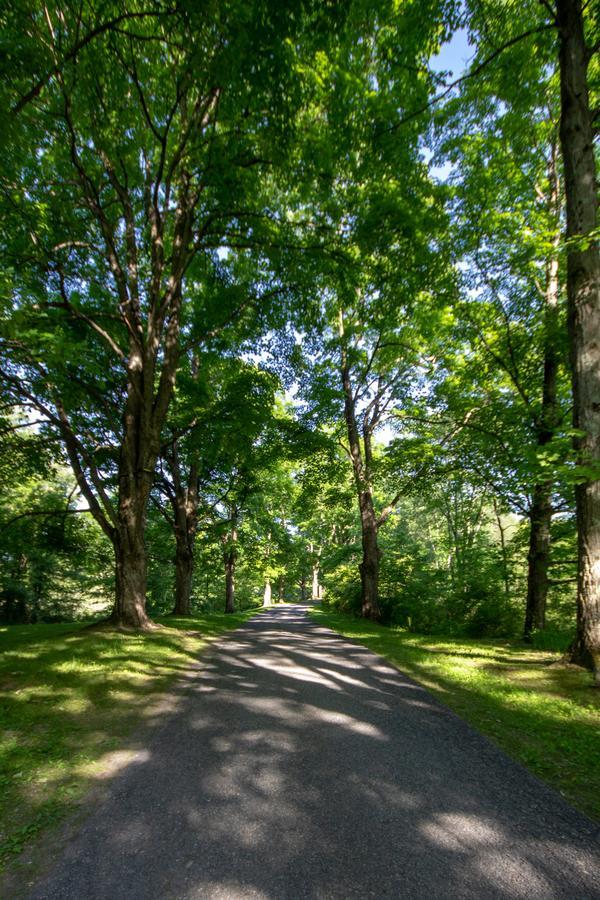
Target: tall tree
583 290
385 218
509 390
141 150
577 27
212 455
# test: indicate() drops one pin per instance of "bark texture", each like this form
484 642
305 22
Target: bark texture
184 572
229 558
184 498
230 582
538 558
583 291
369 567
129 610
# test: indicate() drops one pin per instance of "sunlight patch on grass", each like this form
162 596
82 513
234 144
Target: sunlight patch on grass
69 696
542 713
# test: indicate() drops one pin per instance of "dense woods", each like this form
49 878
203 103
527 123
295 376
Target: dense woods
291 312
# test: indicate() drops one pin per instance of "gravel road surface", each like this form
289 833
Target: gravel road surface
292 763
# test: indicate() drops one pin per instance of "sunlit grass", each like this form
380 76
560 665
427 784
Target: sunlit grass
541 712
68 697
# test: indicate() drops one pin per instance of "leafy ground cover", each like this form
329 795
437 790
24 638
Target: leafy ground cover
69 696
541 712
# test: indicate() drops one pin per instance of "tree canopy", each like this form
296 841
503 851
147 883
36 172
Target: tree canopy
289 313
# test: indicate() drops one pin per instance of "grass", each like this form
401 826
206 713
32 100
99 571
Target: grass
544 714
69 696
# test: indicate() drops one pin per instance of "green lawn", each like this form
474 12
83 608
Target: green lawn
69 696
542 713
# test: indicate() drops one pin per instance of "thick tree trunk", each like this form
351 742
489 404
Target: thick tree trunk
129 610
583 291
143 418
137 460
184 571
369 567
126 526
540 516
267 594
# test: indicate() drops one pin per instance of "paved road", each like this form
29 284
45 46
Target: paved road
296 764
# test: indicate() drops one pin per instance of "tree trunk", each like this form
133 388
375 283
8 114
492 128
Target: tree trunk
267 594
230 557
280 589
303 589
184 498
316 587
369 567
503 549
540 516
137 462
129 610
583 292
184 570
230 582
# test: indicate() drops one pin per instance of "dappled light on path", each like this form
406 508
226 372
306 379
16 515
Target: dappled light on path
296 764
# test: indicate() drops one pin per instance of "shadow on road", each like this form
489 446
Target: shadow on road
296 764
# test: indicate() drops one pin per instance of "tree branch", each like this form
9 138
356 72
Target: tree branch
72 54
471 74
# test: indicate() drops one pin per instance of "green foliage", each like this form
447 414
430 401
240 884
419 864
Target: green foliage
316 208
55 561
443 567
550 639
324 268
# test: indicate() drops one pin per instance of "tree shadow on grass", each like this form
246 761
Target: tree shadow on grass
70 696
560 678
426 645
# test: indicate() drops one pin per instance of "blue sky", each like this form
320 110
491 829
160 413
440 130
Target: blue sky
453 56
452 60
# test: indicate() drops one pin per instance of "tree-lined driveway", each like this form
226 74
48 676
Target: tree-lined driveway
296 764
